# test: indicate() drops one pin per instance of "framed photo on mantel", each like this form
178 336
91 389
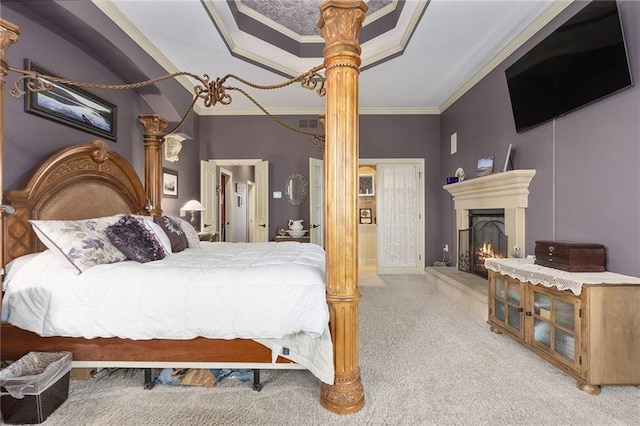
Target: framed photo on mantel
485 166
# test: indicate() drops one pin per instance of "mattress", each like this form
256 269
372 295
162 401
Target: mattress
273 293
218 290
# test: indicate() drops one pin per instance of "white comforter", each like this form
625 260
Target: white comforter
218 290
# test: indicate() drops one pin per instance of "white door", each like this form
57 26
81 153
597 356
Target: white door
225 210
399 208
316 201
251 211
208 195
261 233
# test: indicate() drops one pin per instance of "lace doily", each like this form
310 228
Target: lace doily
527 270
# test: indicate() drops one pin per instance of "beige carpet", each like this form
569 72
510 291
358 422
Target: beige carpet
423 360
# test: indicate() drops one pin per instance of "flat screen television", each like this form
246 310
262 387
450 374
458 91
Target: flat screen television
580 62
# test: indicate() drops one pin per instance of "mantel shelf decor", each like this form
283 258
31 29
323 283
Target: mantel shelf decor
514 182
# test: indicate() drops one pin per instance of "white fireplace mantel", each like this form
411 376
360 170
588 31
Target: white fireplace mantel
508 190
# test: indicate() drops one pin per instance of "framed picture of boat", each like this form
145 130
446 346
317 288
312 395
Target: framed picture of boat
70 105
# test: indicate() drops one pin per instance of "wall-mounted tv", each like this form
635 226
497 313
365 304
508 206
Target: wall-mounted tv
580 62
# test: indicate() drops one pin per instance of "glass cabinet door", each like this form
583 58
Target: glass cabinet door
507 303
555 324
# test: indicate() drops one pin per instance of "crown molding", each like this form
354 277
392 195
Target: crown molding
223 110
244 54
550 12
399 47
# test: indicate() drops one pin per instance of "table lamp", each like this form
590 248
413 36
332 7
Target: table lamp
192 206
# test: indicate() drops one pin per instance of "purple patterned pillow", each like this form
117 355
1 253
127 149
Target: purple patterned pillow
135 241
174 232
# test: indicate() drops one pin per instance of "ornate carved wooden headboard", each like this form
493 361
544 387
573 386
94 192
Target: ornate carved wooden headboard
77 182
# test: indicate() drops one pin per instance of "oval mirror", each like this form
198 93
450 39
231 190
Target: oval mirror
295 189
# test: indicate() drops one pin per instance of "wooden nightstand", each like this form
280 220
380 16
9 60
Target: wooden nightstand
282 239
208 236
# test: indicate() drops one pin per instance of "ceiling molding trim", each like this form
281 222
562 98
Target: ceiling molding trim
218 22
109 9
241 53
276 26
398 49
202 111
385 10
400 111
540 22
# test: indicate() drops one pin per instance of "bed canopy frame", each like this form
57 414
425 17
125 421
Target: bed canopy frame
340 23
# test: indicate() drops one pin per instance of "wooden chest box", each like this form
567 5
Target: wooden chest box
570 256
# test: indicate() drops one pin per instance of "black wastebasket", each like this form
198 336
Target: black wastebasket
34 386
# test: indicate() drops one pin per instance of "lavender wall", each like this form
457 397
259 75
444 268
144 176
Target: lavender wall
29 138
587 183
225 137
258 137
409 136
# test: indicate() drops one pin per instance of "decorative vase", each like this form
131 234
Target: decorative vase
295 225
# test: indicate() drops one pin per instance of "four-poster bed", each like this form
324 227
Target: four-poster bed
92 172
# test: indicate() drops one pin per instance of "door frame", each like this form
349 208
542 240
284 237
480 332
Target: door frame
251 210
221 163
227 235
420 227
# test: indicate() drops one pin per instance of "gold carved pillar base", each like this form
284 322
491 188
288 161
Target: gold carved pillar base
346 395
340 24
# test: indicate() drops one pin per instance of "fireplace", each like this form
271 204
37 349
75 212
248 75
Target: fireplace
484 238
507 192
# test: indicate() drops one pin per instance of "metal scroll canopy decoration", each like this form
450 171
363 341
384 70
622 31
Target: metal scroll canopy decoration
211 92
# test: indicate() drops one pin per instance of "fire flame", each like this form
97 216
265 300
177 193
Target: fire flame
485 252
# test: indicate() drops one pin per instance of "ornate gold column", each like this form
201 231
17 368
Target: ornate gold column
8 35
154 126
340 24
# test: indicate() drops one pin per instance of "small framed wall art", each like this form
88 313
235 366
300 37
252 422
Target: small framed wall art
169 183
366 187
365 216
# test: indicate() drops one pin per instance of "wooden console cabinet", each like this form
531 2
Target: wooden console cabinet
594 337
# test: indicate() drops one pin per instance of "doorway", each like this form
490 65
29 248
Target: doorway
391 230
400 216
225 214
235 195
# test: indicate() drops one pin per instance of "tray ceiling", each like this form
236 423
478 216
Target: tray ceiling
417 56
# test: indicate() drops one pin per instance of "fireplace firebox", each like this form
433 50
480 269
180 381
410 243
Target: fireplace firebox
485 238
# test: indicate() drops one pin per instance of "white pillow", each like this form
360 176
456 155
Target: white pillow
80 243
157 230
14 266
189 231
